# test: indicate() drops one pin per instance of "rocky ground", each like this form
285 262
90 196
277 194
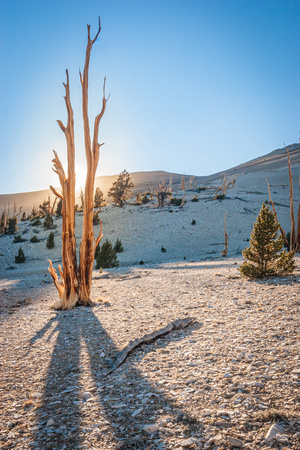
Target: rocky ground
229 380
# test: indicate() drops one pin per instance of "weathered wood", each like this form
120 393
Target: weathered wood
293 227
147 339
287 244
298 223
87 246
77 281
226 236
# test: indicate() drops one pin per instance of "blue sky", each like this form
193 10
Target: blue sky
196 86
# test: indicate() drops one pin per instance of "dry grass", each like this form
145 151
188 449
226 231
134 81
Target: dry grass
273 414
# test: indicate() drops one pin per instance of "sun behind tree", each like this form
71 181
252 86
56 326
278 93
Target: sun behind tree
263 254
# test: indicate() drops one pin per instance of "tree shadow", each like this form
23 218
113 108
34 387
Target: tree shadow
69 419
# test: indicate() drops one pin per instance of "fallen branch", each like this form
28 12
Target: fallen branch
178 324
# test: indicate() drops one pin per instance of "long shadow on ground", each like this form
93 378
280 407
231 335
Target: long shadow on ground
67 419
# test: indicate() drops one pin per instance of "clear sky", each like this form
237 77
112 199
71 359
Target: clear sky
196 86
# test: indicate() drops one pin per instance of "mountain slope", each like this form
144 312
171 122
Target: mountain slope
146 180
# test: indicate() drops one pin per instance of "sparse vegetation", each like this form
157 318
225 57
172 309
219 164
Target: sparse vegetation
177 201
59 208
24 218
138 198
12 225
99 200
162 192
118 246
227 182
50 240
263 257
18 238
48 222
145 199
44 208
293 242
96 219
36 222
34 240
106 256
20 257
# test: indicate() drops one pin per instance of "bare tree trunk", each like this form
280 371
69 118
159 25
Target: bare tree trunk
226 236
293 227
69 295
287 244
76 282
298 225
88 243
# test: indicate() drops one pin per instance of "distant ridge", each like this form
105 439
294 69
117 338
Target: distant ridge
270 161
145 180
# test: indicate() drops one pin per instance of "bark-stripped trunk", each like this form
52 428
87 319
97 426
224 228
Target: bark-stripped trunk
286 242
298 225
293 227
75 286
294 243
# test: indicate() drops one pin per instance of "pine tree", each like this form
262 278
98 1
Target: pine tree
118 246
107 256
48 222
121 188
98 198
50 240
20 257
59 208
263 255
96 219
12 225
44 208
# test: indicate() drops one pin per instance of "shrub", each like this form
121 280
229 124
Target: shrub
36 222
44 208
138 198
58 211
12 225
107 256
145 199
23 218
265 245
288 238
118 246
34 213
20 257
18 238
195 198
163 250
176 201
201 188
193 222
34 239
48 222
50 240
220 197
96 219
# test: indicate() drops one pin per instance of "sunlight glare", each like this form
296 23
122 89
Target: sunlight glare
80 178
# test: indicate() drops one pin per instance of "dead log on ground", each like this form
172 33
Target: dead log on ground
178 324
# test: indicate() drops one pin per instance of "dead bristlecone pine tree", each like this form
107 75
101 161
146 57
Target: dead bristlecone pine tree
75 285
265 257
